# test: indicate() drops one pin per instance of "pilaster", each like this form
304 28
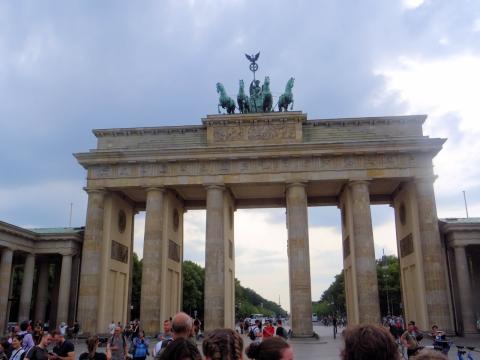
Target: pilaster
5 275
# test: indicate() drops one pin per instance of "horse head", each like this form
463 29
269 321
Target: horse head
266 83
290 84
220 88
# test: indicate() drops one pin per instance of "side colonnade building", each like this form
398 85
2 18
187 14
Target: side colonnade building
39 274
241 161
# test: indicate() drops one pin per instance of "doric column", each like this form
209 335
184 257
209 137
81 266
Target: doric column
64 290
5 275
465 290
365 265
88 299
299 260
42 291
150 301
432 255
27 287
215 259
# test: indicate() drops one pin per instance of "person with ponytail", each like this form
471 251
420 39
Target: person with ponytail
273 348
92 354
222 344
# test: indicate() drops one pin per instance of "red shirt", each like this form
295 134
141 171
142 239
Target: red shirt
268 331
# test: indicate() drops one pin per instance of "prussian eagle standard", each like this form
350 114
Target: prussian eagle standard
252 58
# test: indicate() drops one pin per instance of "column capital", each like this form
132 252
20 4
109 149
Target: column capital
363 181
100 191
155 188
425 179
219 186
296 184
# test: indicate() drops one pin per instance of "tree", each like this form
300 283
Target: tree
193 285
136 286
388 275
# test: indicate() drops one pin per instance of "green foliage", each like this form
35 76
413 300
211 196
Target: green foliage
247 301
388 274
193 285
136 286
332 300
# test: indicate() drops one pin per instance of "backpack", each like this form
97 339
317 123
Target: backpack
162 348
251 334
140 350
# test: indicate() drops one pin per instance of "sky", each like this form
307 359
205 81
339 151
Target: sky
72 66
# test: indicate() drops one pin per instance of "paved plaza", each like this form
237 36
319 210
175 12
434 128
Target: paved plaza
327 348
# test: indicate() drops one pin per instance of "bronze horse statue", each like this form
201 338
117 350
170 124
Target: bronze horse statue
242 99
287 97
225 101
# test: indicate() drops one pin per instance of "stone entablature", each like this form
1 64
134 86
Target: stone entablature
67 241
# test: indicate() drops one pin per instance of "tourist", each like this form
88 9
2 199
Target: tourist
163 338
27 339
274 348
139 349
135 329
222 344
369 342
40 352
180 349
111 328
182 327
255 332
17 350
5 349
268 330
92 354
76 330
197 324
409 339
430 355
64 349
440 341
117 345
281 331
63 329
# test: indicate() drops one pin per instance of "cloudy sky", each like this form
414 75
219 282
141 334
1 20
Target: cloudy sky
68 67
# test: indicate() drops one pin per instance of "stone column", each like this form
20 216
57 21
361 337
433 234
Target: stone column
150 301
64 290
465 290
88 299
27 287
5 275
365 265
299 261
432 255
42 291
215 259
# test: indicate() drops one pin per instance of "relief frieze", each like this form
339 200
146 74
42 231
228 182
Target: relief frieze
252 166
254 132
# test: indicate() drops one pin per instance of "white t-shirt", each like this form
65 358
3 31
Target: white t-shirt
17 354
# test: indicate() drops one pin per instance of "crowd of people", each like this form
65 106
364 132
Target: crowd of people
181 336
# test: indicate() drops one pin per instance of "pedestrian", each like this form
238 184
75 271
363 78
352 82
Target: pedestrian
76 330
281 331
111 328
409 339
25 336
64 349
139 349
40 351
163 338
181 349
274 348
17 351
369 342
255 333
92 354
117 345
5 349
268 330
222 344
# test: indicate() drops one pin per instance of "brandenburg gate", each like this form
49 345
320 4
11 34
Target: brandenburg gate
271 159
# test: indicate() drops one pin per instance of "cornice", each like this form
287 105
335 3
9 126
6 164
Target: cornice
148 130
102 157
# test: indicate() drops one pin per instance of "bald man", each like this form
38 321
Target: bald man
182 326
